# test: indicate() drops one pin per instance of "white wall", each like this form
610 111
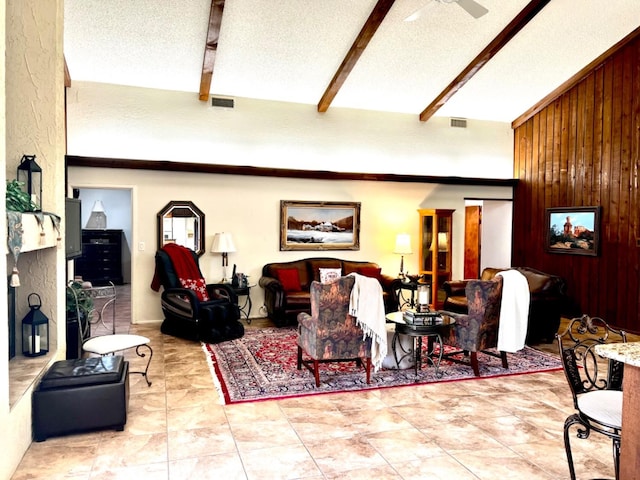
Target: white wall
135 123
497 224
138 123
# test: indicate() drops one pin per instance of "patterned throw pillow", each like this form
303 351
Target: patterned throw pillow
329 275
289 278
198 285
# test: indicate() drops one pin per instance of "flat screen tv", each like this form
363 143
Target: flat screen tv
73 227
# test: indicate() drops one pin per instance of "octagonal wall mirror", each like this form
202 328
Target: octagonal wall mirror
181 222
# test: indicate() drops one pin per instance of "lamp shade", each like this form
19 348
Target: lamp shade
97 206
223 243
403 244
98 217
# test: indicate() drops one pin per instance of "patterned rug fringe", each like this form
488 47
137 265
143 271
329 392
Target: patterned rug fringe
212 369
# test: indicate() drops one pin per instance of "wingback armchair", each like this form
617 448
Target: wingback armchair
330 334
477 330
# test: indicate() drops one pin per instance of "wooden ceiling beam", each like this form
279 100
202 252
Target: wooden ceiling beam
211 48
368 30
67 76
172 166
518 23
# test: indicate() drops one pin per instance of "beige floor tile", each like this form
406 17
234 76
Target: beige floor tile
510 430
264 434
324 427
252 412
345 454
405 445
45 460
383 472
122 450
550 456
426 413
369 400
227 466
200 416
489 464
142 403
277 463
460 435
439 468
146 422
154 471
201 442
190 381
405 395
193 397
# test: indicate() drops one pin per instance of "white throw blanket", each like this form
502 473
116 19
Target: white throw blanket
514 311
367 306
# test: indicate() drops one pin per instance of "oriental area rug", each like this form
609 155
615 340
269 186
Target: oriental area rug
262 366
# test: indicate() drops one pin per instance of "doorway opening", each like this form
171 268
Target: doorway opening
487 235
99 264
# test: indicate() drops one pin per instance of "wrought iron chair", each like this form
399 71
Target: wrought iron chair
112 342
595 382
330 334
477 331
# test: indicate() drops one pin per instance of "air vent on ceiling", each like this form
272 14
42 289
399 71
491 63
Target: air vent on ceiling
222 102
459 122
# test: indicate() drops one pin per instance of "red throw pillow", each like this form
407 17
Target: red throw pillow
198 285
289 278
373 272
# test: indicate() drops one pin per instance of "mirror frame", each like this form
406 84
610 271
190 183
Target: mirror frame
197 213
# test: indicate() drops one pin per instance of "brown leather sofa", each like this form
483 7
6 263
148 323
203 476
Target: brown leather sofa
548 298
287 284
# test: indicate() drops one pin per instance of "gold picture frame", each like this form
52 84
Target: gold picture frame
307 225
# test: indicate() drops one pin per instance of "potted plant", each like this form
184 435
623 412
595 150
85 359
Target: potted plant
79 306
17 199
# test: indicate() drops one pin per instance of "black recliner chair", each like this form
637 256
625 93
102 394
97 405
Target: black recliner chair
185 316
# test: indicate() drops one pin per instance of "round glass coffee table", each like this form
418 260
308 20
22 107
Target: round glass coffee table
431 327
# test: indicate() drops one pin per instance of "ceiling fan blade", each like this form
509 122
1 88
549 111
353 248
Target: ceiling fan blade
418 13
473 8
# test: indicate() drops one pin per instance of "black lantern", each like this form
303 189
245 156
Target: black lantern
30 173
35 330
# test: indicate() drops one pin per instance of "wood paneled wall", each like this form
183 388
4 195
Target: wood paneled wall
582 149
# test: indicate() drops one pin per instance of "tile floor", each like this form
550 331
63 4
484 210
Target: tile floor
505 428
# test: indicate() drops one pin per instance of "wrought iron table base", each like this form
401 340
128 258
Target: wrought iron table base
432 338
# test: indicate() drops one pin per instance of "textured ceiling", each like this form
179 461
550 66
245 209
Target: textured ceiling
288 50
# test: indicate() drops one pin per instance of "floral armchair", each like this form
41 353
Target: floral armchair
330 334
477 330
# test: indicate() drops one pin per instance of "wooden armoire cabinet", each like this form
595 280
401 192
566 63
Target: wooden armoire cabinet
434 246
101 260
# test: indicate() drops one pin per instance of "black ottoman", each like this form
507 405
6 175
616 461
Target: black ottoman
80 395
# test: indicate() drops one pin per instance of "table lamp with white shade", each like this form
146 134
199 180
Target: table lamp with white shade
223 243
403 247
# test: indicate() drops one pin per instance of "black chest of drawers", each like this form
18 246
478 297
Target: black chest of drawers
101 260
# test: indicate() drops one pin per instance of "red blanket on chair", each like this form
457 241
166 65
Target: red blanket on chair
186 270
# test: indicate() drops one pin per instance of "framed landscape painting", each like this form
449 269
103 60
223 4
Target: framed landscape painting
573 230
319 225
